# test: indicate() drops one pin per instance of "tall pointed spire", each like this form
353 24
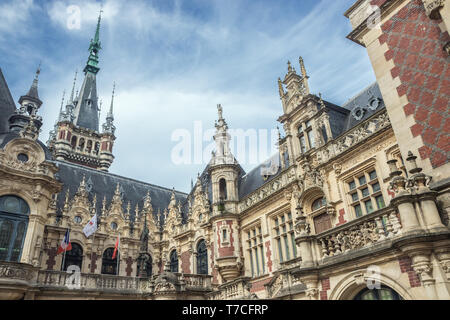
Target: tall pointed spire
32 94
110 113
108 126
94 48
73 87
61 108
86 110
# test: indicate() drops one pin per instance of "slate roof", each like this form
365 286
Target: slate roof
86 116
7 106
362 100
256 177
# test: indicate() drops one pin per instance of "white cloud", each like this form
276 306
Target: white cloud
13 17
172 68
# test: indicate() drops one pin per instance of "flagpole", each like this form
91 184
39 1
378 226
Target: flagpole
93 237
118 254
64 255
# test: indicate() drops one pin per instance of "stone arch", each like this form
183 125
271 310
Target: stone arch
223 194
347 288
309 196
75 256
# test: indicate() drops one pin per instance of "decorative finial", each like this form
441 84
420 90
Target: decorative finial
73 86
322 104
305 76
220 110
289 66
112 98
280 88
38 71
62 103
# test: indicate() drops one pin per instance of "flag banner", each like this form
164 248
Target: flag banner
65 245
116 248
91 226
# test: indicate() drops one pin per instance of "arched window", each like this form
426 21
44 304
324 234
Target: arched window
384 293
14 213
318 203
222 189
73 143
109 265
81 144
96 148
73 257
202 258
89 146
173 261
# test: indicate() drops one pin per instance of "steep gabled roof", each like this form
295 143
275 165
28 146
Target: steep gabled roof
7 106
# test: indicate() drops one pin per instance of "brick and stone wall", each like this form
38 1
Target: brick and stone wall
415 46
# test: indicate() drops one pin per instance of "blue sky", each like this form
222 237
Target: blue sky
174 61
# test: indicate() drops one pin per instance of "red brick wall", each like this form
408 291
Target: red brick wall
51 258
341 219
225 251
415 45
259 285
185 262
405 266
269 256
325 286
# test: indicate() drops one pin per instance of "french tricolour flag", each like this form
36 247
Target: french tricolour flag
65 244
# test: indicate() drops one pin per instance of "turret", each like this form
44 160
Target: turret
77 138
29 106
224 171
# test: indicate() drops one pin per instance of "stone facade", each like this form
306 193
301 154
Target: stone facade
358 200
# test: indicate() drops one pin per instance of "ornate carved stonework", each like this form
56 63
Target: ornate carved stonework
268 189
353 137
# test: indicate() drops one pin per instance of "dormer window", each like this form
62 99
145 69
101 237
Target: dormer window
310 134
324 134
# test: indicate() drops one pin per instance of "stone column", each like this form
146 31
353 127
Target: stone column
431 213
419 182
303 239
403 199
420 254
312 286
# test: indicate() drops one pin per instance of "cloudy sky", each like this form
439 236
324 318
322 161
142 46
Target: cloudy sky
174 61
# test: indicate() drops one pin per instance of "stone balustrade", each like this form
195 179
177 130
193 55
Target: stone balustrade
234 290
195 281
85 281
26 277
359 233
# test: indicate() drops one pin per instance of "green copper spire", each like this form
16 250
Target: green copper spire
94 48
